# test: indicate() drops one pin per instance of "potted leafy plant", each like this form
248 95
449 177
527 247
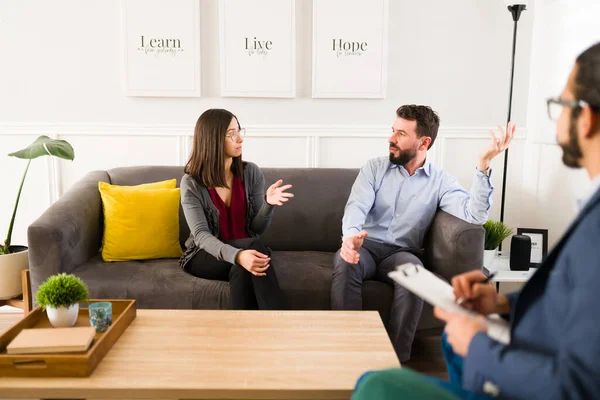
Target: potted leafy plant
13 259
60 296
495 233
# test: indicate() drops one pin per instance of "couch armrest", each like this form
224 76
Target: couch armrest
69 232
453 246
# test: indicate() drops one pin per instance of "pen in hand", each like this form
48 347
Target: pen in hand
461 300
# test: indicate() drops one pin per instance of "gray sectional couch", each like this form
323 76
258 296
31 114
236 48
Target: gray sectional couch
304 235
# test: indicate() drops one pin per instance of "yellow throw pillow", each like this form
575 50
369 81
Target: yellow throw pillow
140 222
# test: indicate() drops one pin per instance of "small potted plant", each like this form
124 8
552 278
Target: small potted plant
13 258
495 233
60 295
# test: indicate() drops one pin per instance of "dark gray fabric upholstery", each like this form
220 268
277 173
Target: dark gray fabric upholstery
69 232
453 246
304 236
313 219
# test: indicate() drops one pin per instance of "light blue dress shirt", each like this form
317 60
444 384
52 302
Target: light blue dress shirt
396 208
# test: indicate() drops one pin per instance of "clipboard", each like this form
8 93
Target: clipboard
439 293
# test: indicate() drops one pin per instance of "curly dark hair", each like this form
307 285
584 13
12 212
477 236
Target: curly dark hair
428 121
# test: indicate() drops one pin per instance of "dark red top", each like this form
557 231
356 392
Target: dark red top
232 219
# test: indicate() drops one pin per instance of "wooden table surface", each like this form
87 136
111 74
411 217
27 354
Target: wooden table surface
177 354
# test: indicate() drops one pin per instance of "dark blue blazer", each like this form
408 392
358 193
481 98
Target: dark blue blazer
555 325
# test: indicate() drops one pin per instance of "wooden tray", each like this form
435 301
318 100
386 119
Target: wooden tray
64 364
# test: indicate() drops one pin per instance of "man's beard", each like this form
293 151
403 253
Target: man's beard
571 150
404 156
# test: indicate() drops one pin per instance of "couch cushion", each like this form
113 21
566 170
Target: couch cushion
140 222
305 278
159 284
312 220
129 176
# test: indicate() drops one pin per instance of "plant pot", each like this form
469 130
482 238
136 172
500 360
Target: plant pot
488 257
11 265
63 317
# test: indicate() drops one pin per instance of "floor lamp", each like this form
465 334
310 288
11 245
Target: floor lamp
515 8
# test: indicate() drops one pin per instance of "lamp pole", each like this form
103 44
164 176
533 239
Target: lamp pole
515 10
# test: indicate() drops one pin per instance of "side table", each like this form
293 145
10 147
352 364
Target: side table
501 266
23 301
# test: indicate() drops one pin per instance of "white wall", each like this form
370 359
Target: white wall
562 30
60 75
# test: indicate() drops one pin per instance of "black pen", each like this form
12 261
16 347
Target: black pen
486 280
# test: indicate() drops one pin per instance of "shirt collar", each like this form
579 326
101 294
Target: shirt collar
582 201
426 167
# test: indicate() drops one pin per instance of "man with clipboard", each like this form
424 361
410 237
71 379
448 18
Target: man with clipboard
554 349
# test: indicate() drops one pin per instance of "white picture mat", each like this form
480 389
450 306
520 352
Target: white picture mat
350 76
258 75
537 247
171 68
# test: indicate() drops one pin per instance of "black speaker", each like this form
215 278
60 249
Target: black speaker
520 253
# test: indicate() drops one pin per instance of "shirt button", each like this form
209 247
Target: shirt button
491 389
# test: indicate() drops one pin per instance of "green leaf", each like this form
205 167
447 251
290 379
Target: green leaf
62 290
495 233
44 146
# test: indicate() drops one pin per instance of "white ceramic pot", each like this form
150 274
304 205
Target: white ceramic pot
11 266
488 257
63 317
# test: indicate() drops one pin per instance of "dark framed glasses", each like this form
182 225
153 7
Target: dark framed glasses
555 106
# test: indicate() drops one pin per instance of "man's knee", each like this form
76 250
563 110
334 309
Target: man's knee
342 268
399 383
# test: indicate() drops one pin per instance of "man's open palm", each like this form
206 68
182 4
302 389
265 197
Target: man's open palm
350 246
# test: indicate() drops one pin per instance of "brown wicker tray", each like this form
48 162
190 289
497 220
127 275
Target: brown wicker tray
64 364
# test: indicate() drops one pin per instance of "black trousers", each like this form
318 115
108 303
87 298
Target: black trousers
248 292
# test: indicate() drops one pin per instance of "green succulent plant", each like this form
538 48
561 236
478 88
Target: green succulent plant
62 290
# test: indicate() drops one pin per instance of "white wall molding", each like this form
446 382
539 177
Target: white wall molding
314 136
321 130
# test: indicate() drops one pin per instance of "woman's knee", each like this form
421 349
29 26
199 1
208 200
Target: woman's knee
237 272
259 246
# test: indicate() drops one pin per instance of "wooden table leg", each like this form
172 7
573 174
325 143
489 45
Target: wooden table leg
26 285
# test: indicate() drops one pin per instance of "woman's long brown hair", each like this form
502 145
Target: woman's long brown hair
206 163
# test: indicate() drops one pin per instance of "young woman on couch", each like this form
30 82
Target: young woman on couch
226 208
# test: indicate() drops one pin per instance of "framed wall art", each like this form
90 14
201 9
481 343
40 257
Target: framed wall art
539 244
350 46
258 48
161 45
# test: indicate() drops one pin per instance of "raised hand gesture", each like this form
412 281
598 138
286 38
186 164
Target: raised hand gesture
277 195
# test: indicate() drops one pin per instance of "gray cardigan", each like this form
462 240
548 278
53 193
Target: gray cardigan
203 217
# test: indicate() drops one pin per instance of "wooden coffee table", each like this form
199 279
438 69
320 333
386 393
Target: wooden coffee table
202 354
